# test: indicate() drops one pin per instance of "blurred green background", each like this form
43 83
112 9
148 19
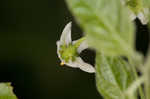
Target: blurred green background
29 30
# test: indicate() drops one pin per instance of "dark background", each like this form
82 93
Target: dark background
29 30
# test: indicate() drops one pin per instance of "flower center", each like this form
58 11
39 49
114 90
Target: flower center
68 52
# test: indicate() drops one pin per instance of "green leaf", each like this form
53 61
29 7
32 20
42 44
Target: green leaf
106 24
113 76
146 3
6 91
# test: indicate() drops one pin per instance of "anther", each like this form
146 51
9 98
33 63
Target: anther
62 63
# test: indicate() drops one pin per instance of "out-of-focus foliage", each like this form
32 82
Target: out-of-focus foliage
105 22
113 76
134 5
146 3
6 91
110 31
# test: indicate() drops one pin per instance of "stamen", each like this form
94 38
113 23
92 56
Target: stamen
62 63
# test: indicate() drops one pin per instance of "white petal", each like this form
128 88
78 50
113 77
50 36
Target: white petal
66 34
72 64
132 16
143 16
79 63
84 66
82 46
58 49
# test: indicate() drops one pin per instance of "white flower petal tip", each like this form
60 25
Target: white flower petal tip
58 49
66 34
79 63
84 66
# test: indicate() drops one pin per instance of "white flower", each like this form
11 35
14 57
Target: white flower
143 16
68 51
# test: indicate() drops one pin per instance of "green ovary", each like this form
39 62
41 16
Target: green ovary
68 53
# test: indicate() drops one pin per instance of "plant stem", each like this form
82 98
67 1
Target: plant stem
140 87
136 77
147 76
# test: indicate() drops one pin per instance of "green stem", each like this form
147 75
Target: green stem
147 77
140 87
136 77
134 86
147 83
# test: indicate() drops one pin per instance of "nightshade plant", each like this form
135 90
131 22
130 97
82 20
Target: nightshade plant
109 29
